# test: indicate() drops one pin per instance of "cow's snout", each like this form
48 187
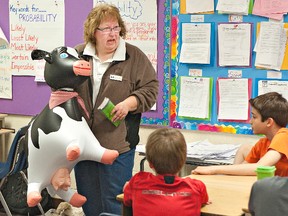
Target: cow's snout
82 68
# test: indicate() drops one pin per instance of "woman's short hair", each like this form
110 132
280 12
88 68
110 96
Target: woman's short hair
102 11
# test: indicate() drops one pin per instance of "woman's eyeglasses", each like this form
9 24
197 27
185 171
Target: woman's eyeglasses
107 30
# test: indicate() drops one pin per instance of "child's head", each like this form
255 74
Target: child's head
166 150
271 105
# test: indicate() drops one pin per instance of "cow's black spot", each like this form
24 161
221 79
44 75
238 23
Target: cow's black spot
47 121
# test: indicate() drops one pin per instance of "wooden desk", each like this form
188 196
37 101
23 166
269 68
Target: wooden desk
3 132
229 194
126 211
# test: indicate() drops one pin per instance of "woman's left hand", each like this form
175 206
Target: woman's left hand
120 111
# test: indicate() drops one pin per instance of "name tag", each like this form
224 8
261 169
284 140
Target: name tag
116 77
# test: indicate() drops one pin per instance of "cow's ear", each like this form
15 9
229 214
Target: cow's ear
41 54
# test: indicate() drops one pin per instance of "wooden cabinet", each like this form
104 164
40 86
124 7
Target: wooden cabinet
3 132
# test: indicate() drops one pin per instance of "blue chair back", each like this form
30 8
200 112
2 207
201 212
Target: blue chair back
15 164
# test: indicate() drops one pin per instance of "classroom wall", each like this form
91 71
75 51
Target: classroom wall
165 108
188 111
25 89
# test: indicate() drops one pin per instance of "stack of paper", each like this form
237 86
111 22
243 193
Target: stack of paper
199 6
271 45
239 7
140 148
271 9
236 90
196 105
204 150
234 44
196 43
280 86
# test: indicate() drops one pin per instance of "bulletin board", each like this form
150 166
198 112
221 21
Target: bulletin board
30 97
213 71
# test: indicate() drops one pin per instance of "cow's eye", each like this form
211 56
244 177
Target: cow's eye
63 55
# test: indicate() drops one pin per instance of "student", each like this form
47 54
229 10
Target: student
269 117
124 74
165 193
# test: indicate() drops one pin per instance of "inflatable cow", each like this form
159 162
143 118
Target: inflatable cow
59 137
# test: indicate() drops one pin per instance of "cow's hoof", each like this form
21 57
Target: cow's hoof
77 200
33 199
72 152
109 156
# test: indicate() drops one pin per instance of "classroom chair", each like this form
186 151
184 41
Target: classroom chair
16 162
108 214
269 197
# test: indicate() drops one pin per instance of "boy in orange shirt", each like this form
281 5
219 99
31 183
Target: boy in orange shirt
269 117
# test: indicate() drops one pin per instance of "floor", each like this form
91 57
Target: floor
63 209
52 212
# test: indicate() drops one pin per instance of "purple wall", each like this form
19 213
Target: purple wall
30 97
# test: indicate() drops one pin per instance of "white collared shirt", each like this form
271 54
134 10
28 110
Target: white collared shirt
99 67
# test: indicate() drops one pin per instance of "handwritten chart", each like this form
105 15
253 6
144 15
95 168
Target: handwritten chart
5 72
33 25
140 18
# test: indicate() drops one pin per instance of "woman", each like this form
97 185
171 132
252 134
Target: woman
122 73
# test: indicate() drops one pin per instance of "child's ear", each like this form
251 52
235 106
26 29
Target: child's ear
151 165
270 122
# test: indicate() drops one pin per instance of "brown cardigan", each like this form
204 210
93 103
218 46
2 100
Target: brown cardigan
138 79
